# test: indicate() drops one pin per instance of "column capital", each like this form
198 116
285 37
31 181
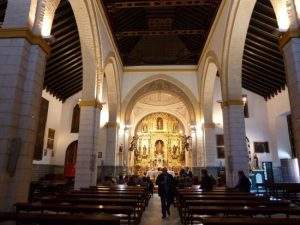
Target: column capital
27 34
232 102
91 103
287 36
209 125
112 124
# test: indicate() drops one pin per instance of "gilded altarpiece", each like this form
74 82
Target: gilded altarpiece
159 143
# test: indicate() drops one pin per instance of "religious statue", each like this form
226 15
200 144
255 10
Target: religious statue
145 128
159 145
186 142
159 123
144 150
133 144
255 162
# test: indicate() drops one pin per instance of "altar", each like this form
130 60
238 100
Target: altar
159 144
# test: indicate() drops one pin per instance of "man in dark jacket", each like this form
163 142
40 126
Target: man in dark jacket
165 182
207 182
244 184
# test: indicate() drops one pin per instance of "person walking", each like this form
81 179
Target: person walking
165 182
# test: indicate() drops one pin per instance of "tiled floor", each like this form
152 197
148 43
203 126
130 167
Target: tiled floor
152 214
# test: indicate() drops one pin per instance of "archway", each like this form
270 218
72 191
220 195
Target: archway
70 160
162 96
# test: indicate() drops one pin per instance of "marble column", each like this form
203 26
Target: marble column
88 141
290 45
236 155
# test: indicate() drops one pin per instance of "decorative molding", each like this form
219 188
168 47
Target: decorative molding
27 34
232 102
91 103
171 68
209 125
287 36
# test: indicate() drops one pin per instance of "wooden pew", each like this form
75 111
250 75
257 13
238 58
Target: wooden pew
85 209
138 209
194 211
249 221
54 219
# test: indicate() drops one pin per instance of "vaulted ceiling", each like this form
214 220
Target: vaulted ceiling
158 32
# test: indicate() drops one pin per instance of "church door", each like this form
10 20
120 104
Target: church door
70 160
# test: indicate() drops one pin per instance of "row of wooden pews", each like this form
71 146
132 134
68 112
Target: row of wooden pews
126 203
236 207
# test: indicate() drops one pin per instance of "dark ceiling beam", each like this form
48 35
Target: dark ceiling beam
72 90
265 18
263 47
264 41
258 82
64 64
160 4
263 64
160 33
266 77
259 56
65 69
62 77
71 46
51 65
260 52
263 70
270 38
66 85
265 80
249 86
70 53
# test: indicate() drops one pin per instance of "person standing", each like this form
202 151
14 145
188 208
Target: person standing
207 182
244 184
165 182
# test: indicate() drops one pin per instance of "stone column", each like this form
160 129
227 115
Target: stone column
111 158
236 155
290 45
22 63
210 144
86 164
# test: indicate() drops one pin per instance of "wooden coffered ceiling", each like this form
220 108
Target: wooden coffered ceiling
263 68
63 76
164 32
160 32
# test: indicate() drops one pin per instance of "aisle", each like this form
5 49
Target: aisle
152 214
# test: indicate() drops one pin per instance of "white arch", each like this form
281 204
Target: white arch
179 89
84 12
113 87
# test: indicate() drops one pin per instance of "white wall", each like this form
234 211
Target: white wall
60 119
53 122
257 125
278 108
185 74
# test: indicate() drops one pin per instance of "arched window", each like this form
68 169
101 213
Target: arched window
75 119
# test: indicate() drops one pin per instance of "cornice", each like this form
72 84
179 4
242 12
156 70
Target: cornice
23 32
91 103
287 36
